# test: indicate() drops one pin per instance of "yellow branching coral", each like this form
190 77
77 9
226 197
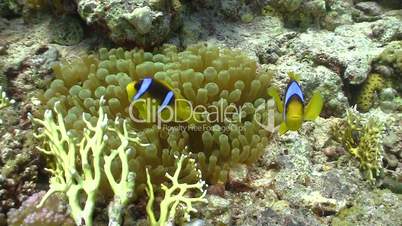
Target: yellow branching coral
4 100
175 196
68 176
373 85
362 137
124 189
77 164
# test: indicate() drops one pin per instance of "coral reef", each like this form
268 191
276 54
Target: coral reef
54 212
204 75
175 196
303 178
145 23
362 137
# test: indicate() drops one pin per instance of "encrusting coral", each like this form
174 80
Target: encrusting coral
144 23
80 180
392 56
175 196
389 63
204 75
362 137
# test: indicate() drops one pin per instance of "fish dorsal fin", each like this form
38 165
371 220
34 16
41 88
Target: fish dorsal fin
294 76
166 101
274 93
293 89
314 107
146 83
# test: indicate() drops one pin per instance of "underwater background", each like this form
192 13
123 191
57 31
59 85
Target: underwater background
70 153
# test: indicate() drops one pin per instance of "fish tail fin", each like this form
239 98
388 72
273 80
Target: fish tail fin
314 107
274 92
283 128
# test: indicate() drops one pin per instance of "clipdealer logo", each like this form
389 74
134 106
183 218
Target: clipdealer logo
146 110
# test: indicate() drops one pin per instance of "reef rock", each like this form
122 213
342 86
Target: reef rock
307 180
318 13
144 23
348 55
380 207
370 8
11 8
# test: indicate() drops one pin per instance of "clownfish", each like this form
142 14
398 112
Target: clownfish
293 108
164 95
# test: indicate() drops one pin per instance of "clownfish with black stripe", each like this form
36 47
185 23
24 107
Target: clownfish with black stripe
293 108
163 95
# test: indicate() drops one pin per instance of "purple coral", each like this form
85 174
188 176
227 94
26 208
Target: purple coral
54 212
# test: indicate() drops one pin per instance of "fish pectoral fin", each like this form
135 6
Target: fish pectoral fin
166 101
274 92
314 107
283 128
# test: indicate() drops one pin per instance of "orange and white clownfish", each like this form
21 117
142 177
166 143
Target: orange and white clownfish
164 95
293 108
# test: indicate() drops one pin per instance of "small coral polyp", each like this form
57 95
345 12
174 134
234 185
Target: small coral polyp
204 75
